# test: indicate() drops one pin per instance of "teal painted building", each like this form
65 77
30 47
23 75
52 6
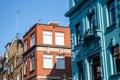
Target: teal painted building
95 39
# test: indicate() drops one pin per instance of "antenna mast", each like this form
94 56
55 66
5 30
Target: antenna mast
39 20
17 23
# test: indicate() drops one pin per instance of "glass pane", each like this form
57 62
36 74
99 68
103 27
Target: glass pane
96 68
59 38
80 70
32 39
112 13
48 62
60 62
25 45
47 37
118 64
92 22
111 5
33 62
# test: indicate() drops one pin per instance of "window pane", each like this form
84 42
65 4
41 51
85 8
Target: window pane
32 39
118 64
25 67
4 65
18 76
47 37
59 38
8 70
60 62
111 5
78 33
25 45
12 67
32 63
116 58
111 12
80 68
95 67
48 61
92 22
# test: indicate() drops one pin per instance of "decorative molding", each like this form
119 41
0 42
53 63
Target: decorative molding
53 49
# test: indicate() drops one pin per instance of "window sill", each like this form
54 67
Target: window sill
111 26
60 69
32 71
114 75
47 68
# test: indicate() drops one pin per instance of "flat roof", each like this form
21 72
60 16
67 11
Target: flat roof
45 25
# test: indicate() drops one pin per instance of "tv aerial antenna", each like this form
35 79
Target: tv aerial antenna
17 27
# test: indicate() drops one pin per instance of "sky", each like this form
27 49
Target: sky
31 11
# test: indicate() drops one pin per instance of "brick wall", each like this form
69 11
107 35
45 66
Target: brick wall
41 49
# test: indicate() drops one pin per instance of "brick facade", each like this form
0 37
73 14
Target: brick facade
39 49
12 60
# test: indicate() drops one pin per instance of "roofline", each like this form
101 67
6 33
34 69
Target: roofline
42 24
12 44
75 8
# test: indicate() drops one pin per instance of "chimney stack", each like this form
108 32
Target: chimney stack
53 23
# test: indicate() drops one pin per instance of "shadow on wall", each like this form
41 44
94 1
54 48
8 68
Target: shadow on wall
62 74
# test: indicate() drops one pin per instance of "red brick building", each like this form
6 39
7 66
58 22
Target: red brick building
47 54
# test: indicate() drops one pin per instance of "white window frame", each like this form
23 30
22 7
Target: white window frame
60 61
48 61
59 38
47 37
